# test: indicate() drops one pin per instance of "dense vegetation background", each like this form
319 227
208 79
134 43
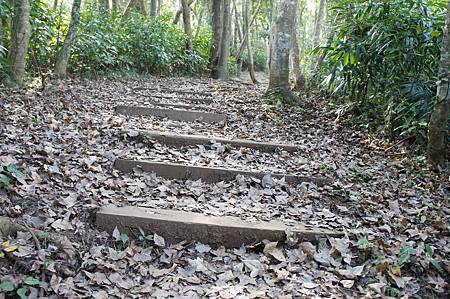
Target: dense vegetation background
377 59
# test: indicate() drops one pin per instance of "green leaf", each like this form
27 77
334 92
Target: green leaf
12 168
436 265
6 286
29 280
22 292
124 238
405 255
4 180
363 242
429 250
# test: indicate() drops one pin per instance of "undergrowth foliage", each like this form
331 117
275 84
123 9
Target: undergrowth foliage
137 43
383 61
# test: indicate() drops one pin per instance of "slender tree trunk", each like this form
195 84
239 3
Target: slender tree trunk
104 5
224 43
438 127
271 35
187 23
115 5
63 57
143 8
1 35
20 37
319 21
131 5
154 8
251 65
238 37
200 22
246 31
55 4
299 80
279 86
216 21
179 12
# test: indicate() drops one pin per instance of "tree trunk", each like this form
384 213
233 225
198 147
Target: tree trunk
246 31
224 43
131 5
143 8
20 37
104 5
179 12
251 66
238 37
199 22
319 20
438 126
1 37
55 4
63 57
187 23
216 21
154 8
279 86
115 5
299 80
271 35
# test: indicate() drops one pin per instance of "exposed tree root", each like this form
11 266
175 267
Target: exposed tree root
10 227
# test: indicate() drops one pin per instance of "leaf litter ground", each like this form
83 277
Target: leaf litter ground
65 140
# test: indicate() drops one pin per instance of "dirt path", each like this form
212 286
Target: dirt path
67 138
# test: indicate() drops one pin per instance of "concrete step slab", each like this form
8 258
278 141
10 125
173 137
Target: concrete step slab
207 174
176 226
189 140
173 114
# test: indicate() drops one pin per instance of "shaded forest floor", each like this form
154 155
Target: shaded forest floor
66 138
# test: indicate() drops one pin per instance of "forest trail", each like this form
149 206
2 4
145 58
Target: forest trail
68 138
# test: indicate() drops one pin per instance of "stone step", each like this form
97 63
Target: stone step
179 91
188 140
192 100
176 226
179 115
180 106
207 174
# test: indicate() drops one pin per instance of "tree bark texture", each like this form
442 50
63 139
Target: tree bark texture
63 57
179 12
104 5
216 21
154 8
282 42
131 5
187 22
251 65
143 8
222 68
438 133
319 21
20 37
115 5
246 31
299 80
199 22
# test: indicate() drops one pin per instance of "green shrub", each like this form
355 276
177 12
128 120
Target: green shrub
383 56
48 28
139 43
